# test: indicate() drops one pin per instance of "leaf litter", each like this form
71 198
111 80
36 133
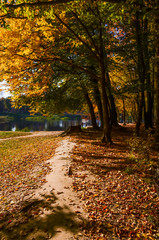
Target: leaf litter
120 205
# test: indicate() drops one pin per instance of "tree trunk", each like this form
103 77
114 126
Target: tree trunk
157 96
139 116
91 110
141 71
104 98
124 122
157 77
114 119
149 99
98 100
106 128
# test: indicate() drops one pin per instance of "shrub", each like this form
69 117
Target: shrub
26 129
141 147
140 155
129 170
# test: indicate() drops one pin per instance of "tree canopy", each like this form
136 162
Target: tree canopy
62 55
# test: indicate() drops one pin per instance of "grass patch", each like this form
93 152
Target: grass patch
9 134
23 167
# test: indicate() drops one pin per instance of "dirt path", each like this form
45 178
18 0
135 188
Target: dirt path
65 214
36 134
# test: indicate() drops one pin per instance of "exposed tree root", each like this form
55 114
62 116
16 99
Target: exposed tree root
71 129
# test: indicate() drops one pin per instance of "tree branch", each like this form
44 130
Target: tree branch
58 59
35 4
87 31
49 3
77 36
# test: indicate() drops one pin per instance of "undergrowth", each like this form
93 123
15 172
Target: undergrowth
140 157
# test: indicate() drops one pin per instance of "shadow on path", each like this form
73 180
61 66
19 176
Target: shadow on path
40 219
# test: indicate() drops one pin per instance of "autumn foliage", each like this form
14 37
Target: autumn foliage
99 54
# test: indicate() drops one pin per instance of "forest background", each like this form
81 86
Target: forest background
64 55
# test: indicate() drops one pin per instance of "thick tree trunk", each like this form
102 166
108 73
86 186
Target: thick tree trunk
157 96
91 110
113 114
148 112
157 78
106 128
149 99
141 71
104 98
139 116
98 100
114 119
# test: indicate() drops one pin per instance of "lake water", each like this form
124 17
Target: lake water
51 125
